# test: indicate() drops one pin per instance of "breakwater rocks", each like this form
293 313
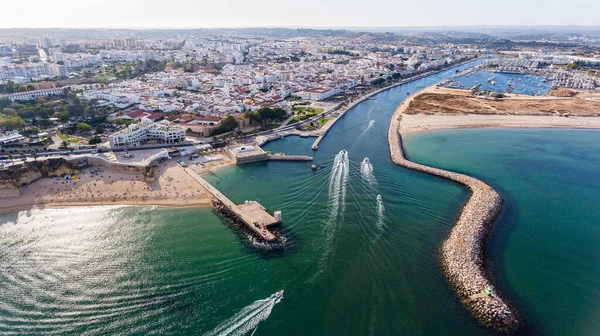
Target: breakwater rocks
462 253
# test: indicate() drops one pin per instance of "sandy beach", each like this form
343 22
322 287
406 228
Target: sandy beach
173 187
423 122
519 111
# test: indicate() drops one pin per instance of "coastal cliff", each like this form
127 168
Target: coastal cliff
462 253
14 177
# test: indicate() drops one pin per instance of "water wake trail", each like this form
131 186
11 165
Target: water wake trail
369 126
246 319
380 214
366 169
338 180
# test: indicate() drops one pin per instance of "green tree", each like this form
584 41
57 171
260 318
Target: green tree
100 129
11 158
45 122
95 140
229 123
83 127
33 153
11 122
4 102
64 144
62 116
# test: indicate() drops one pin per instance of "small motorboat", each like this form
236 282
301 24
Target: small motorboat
366 160
279 294
378 198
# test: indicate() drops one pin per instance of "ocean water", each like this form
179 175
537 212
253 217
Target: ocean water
351 265
544 247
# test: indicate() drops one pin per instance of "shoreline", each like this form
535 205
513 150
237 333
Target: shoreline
370 94
416 123
172 187
58 205
520 111
462 252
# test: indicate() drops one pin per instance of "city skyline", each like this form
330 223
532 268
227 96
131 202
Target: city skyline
311 13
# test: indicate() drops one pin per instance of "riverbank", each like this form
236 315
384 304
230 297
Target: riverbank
172 187
370 94
462 253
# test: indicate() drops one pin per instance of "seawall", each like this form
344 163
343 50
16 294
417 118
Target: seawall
461 254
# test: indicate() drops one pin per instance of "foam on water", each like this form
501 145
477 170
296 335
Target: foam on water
366 169
338 180
246 319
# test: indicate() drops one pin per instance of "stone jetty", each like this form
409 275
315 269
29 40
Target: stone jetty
462 253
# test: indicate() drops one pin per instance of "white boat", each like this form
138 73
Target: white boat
379 198
278 295
493 83
366 160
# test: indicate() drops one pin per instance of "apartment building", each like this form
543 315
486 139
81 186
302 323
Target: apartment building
145 131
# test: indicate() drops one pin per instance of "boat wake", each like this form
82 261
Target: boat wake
380 214
248 318
366 169
369 126
338 180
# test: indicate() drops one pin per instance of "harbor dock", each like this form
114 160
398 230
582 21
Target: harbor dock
252 214
283 157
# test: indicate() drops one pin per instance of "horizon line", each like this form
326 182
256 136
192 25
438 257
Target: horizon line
308 27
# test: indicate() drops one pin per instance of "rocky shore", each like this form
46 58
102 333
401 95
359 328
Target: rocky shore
462 253
12 178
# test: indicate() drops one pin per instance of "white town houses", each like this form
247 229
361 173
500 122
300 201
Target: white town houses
145 131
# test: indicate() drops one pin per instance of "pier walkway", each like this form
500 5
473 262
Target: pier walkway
283 157
252 213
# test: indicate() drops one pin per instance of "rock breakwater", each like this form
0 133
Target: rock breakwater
462 253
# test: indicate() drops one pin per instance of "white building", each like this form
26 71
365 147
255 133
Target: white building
28 95
146 130
11 136
317 94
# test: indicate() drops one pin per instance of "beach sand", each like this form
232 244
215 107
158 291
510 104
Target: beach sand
522 111
173 187
423 122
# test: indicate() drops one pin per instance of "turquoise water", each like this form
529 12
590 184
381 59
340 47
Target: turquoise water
544 247
350 267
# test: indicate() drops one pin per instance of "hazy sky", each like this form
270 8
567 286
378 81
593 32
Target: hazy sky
306 13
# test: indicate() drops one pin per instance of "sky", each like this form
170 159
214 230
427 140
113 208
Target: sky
293 13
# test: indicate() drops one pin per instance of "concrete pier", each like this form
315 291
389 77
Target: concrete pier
462 253
280 157
251 213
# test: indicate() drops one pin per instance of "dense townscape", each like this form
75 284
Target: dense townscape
196 82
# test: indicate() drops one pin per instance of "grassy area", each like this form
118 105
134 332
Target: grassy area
69 138
324 121
270 126
304 112
307 110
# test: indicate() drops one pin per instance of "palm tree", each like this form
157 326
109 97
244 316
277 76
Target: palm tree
10 157
33 153
64 144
